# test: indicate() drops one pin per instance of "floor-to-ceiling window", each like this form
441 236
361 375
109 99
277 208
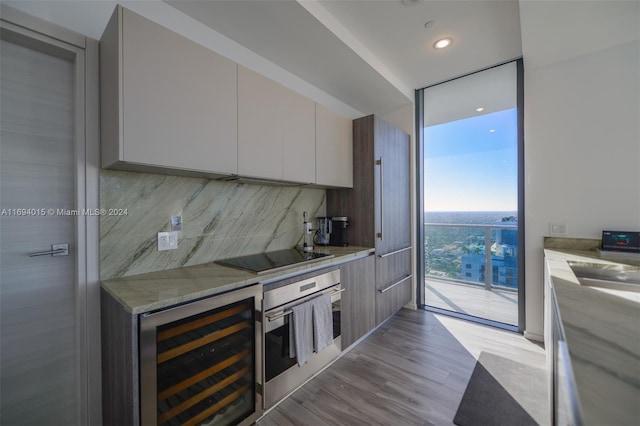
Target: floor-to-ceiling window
471 209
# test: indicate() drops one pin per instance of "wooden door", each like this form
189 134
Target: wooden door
40 365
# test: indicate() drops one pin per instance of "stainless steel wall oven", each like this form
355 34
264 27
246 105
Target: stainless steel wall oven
200 363
282 374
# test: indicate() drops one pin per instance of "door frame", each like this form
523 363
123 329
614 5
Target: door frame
419 207
38 34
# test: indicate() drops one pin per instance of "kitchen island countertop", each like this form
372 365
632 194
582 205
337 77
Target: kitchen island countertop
603 337
156 290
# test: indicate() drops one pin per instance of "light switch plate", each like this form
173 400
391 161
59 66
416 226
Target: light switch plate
176 223
167 240
557 229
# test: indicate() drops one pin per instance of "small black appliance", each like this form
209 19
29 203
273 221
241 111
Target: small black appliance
340 226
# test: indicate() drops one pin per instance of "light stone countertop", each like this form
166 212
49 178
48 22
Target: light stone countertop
603 336
156 290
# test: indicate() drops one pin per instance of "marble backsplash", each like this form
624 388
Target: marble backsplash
567 243
220 220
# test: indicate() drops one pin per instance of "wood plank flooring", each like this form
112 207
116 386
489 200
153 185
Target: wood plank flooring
413 370
496 305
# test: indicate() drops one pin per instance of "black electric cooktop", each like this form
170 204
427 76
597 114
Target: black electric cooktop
266 262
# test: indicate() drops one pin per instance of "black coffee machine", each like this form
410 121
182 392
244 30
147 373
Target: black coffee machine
338 237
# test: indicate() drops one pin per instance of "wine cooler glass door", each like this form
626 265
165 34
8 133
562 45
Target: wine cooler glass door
199 362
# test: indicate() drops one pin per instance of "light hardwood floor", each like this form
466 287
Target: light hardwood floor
413 370
496 305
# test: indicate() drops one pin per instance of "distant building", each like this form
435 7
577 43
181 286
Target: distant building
504 260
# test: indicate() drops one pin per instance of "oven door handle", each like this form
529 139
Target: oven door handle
272 316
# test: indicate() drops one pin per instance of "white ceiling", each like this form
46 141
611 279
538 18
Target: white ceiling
484 33
368 56
285 33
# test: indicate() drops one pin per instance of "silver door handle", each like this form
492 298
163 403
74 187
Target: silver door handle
382 256
384 290
56 250
379 163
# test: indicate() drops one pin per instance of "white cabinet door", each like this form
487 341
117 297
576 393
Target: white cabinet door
299 138
176 101
334 148
276 130
260 104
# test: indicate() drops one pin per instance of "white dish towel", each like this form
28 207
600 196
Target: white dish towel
301 332
322 322
311 329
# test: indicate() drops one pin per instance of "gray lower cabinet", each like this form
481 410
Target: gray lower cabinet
194 363
120 364
358 302
393 283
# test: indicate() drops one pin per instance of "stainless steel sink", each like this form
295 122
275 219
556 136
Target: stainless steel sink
615 277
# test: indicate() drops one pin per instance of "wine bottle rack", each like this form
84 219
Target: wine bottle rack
205 367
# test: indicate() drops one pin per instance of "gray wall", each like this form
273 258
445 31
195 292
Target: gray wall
220 220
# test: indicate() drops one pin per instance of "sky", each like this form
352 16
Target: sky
469 168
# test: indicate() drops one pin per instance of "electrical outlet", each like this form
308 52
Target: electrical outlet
167 241
557 229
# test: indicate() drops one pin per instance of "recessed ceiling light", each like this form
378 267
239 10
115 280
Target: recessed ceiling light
492 131
480 109
442 43
410 2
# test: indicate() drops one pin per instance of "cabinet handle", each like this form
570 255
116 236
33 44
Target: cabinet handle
382 256
379 163
383 290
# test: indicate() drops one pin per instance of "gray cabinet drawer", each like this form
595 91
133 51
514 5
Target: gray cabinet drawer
393 282
392 298
392 266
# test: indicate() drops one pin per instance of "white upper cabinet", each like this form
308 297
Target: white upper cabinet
334 148
299 138
170 105
167 102
276 130
259 128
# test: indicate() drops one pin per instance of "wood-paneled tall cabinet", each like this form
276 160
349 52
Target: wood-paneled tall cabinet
379 208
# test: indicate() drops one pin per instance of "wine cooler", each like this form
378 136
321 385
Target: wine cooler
200 362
